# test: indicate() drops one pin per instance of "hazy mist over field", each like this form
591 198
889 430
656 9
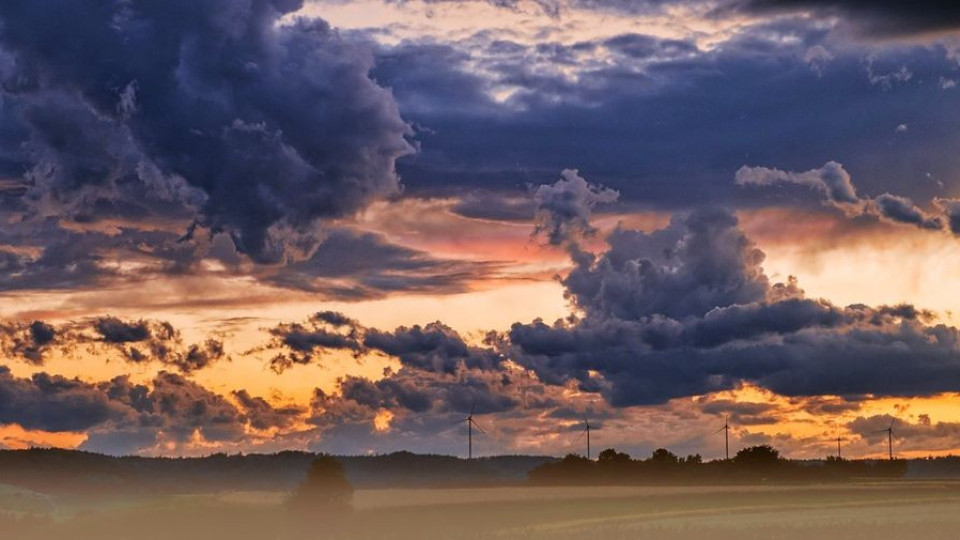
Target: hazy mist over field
479 268
880 511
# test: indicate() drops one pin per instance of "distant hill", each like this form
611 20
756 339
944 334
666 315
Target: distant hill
68 471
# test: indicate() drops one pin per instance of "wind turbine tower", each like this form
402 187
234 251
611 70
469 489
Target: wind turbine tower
586 431
889 432
726 435
839 440
471 423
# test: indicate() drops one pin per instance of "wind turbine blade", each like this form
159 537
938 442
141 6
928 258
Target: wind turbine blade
477 427
473 408
719 430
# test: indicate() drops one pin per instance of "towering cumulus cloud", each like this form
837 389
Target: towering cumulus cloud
688 310
260 125
682 311
564 208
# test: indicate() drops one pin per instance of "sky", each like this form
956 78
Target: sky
341 226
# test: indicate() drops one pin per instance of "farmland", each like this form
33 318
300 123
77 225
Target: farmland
876 510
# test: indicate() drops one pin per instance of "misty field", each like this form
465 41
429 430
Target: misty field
870 510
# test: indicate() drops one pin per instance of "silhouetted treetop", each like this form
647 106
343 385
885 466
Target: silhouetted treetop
326 488
757 456
612 456
662 456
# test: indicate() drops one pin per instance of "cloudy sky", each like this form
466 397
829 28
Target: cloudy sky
255 225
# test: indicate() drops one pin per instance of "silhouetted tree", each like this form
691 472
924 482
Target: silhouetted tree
764 461
325 491
664 457
759 456
611 456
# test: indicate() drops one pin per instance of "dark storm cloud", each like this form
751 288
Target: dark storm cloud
688 310
29 341
440 379
699 262
114 330
266 127
300 343
173 411
917 433
355 265
744 413
903 210
145 341
196 356
122 417
828 406
432 348
49 257
336 319
495 206
837 189
951 209
883 18
682 311
422 402
643 46
667 131
53 403
65 261
180 407
831 180
137 341
630 362
262 415
347 265
428 65
564 208
102 144
391 392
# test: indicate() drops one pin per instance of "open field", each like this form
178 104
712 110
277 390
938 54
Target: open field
869 510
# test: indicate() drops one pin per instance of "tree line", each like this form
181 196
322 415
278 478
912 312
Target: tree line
761 463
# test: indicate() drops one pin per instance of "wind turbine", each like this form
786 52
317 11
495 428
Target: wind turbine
586 431
889 432
726 434
839 440
471 423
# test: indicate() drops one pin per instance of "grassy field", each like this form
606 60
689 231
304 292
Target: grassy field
869 510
